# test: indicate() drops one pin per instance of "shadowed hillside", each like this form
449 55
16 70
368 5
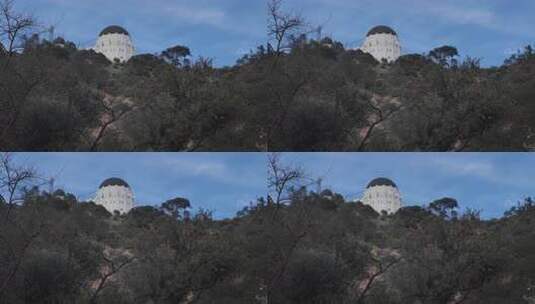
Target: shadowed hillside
316 249
292 94
295 246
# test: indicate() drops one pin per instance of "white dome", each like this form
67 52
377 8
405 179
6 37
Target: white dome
382 196
114 194
383 44
115 43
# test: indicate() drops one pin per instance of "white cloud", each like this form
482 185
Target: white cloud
218 169
212 13
483 169
463 12
195 167
196 15
459 166
460 14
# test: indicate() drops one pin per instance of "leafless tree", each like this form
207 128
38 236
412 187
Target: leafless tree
115 109
378 115
294 226
282 25
282 178
13 179
381 265
13 26
112 267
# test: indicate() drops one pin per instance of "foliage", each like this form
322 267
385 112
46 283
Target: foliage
292 94
317 248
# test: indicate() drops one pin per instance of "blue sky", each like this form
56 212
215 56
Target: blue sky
225 30
226 182
221 182
489 182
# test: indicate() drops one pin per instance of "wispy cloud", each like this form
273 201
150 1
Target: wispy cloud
192 167
482 169
224 29
195 15
203 165
457 13
486 169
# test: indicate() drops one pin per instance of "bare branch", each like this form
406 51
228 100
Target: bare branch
13 179
382 267
379 116
282 25
114 111
13 26
282 179
113 267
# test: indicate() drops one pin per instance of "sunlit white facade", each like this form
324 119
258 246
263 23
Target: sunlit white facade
382 195
115 194
382 43
115 43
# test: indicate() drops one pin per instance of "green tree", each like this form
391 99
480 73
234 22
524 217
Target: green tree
177 207
445 56
445 207
177 55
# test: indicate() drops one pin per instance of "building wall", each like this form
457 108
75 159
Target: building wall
114 46
381 198
115 198
383 46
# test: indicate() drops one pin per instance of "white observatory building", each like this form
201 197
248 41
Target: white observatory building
115 194
115 43
382 194
382 43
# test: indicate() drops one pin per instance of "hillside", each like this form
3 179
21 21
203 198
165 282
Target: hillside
318 96
315 249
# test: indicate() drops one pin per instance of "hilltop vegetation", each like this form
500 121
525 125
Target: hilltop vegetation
295 93
315 249
295 246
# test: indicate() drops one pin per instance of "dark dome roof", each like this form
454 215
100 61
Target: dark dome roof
382 29
114 29
114 181
381 181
